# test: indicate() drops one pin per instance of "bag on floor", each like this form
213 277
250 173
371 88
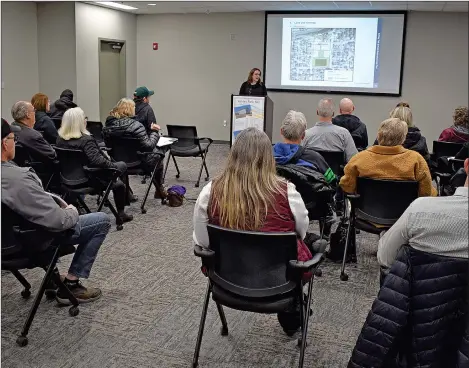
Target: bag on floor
176 195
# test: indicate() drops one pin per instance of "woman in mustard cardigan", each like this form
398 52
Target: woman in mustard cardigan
389 160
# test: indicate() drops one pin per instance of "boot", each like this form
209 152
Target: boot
160 192
124 216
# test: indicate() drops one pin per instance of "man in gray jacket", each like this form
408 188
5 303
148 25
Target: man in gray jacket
23 193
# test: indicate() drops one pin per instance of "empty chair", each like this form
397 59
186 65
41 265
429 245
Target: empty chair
256 272
27 246
377 205
188 145
77 179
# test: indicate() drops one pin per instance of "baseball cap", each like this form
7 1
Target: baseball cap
143 92
7 128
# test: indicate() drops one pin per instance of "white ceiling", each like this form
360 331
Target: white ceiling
165 7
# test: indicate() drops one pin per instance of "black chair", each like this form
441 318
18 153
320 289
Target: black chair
26 246
445 149
96 130
335 160
377 205
57 122
45 172
188 145
77 179
128 150
255 272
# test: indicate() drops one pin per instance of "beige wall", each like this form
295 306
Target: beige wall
56 45
197 67
92 23
20 77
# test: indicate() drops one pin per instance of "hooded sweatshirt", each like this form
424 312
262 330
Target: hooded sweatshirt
356 128
455 134
65 102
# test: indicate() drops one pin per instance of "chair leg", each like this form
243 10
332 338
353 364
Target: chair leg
22 340
195 360
304 328
83 204
142 207
205 166
200 172
64 289
224 325
26 293
349 239
166 168
177 167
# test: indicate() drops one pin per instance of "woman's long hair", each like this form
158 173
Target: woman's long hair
253 70
124 108
247 187
73 124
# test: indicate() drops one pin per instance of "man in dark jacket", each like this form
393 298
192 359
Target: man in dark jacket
352 123
65 102
33 141
23 193
143 111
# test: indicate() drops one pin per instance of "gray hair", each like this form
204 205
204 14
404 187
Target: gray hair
392 132
73 124
294 125
326 108
19 111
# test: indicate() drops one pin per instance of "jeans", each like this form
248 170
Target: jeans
90 232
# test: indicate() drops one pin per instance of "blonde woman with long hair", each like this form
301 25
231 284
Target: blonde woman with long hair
121 123
248 195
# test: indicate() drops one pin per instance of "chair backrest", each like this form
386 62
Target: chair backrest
71 163
22 157
124 149
335 160
252 264
445 149
57 122
384 201
96 130
185 134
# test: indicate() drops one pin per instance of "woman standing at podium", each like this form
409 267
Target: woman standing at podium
253 86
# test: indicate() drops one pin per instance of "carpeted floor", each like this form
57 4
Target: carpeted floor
152 300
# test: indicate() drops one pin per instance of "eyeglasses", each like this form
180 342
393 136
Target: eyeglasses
15 138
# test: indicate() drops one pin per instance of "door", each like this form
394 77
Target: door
111 76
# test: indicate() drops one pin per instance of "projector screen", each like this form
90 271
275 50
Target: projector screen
334 52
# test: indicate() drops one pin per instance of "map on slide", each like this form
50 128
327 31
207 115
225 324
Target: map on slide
322 54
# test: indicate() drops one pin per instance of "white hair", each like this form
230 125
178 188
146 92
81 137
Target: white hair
294 125
73 124
20 110
326 108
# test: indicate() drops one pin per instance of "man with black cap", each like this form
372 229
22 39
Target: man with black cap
143 111
65 102
23 193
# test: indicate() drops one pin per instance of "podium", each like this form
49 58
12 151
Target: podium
251 111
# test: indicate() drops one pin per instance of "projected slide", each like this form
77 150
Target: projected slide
336 52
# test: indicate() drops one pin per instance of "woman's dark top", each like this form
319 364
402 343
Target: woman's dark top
45 125
248 89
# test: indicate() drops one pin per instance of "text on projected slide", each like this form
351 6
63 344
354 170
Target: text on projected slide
331 52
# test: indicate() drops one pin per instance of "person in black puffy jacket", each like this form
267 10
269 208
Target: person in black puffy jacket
352 123
43 122
122 123
418 317
73 135
65 102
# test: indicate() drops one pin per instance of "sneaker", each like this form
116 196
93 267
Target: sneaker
83 294
125 217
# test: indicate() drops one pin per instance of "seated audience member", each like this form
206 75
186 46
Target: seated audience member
144 112
434 225
248 195
65 102
121 123
414 140
459 132
73 135
352 123
389 160
463 152
22 192
38 148
43 122
325 136
290 151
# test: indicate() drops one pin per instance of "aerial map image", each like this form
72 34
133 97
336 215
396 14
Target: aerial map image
322 54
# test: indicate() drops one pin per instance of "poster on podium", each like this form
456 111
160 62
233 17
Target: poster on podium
247 111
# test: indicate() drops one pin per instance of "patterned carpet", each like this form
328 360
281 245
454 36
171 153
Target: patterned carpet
152 299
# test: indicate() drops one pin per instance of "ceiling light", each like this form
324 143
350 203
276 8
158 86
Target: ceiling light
152 4
116 5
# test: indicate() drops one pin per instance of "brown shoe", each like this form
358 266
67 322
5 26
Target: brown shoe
160 193
83 294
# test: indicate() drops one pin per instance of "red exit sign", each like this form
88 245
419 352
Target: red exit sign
155 46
